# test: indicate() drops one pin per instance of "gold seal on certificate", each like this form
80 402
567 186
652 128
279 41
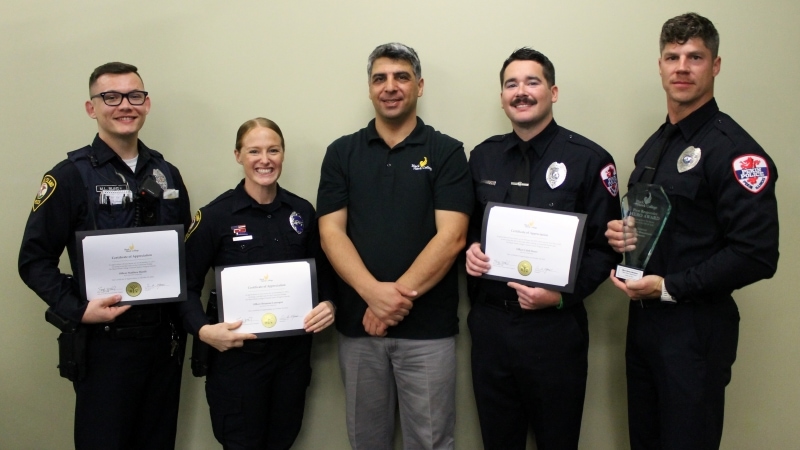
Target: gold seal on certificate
524 268
269 320
133 289
143 264
533 246
271 299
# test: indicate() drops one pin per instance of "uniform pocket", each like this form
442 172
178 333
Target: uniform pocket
683 186
226 415
555 200
683 193
485 193
297 244
243 250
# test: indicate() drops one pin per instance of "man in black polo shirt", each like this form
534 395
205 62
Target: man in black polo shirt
394 202
530 344
721 235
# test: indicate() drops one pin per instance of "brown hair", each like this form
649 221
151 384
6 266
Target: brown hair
116 68
257 122
529 54
680 29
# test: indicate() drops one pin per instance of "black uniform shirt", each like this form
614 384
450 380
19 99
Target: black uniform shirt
210 241
722 232
588 184
61 209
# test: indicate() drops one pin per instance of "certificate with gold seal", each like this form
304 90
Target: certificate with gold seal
143 264
533 246
270 299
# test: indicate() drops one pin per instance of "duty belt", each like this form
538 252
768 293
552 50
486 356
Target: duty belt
508 305
655 303
512 305
257 347
135 323
139 317
127 332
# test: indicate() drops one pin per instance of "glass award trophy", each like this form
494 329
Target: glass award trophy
645 209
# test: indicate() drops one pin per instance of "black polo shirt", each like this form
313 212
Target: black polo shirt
391 195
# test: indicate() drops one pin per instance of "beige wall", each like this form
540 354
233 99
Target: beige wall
210 65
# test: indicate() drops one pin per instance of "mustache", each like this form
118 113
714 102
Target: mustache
523 101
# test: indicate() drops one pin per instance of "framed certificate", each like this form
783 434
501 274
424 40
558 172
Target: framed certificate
270 299
532 246
143 264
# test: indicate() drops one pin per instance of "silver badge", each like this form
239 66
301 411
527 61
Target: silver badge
688 159
296 221
160 178
556 174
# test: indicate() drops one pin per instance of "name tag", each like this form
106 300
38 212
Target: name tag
115 197
170 194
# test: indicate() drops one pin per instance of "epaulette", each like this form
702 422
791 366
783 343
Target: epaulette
221 197
292 196
496 138
61 164
732 130
577 139
79 153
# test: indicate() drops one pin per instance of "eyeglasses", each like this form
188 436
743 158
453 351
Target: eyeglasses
112 98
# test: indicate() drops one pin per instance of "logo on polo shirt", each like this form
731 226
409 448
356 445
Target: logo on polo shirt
423 165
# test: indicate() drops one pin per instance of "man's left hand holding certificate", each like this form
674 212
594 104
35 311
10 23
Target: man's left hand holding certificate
143 264
270 299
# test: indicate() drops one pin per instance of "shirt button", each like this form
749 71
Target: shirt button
551 204
107 328
242 246
389 165
269 216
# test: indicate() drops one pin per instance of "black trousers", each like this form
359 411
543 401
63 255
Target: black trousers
529 370
257 394
679 360
129 397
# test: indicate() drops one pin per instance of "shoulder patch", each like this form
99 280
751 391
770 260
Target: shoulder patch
752 172
195 223
608 175
45 191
